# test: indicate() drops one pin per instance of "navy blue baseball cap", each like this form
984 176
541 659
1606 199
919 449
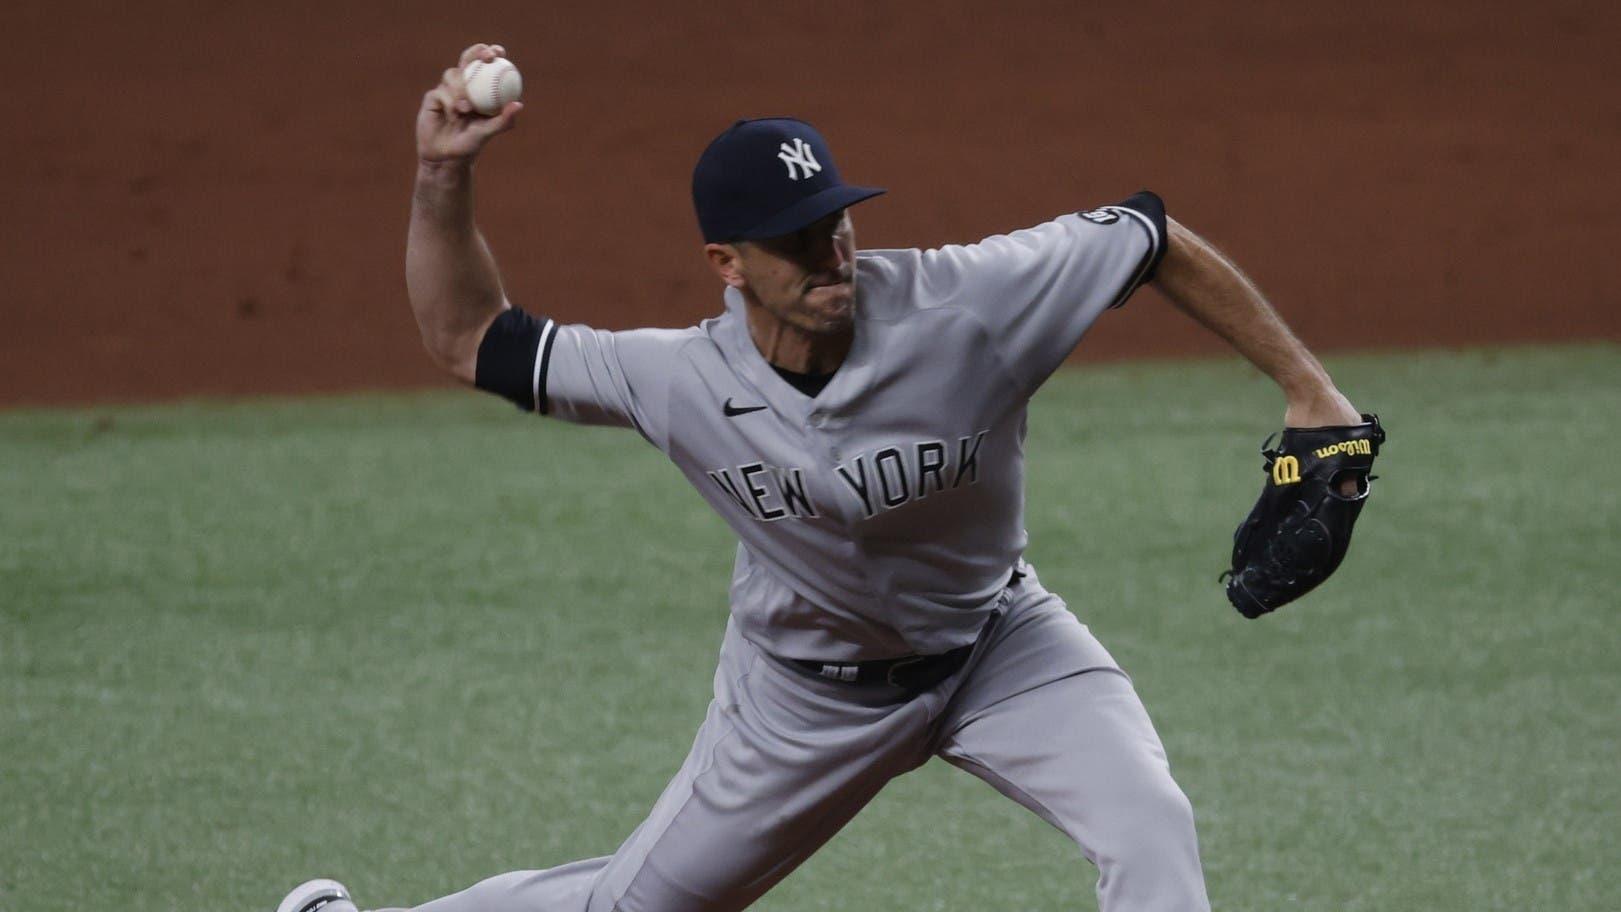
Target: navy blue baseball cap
768 177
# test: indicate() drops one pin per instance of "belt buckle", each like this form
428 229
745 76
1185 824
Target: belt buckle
889 676
845 673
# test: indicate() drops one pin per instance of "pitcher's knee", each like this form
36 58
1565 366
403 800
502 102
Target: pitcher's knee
1148 854
1151 830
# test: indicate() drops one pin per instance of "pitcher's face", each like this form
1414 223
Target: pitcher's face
805 279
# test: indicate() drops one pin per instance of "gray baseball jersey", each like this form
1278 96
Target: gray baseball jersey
882 516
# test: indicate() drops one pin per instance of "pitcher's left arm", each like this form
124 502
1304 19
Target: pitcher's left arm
1208 287
1318 475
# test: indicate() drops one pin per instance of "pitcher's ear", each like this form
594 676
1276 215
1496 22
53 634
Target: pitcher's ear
726 261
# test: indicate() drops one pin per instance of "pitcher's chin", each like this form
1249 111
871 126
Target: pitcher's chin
831 307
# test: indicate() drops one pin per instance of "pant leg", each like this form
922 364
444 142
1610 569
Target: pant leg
780 764
1049 720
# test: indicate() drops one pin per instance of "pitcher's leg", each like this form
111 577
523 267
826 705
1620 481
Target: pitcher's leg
1047 718
565 889
780 764
1081 753
801 757
579 886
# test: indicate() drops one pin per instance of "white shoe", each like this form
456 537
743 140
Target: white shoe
325 895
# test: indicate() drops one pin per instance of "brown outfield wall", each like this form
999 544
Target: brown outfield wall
209 199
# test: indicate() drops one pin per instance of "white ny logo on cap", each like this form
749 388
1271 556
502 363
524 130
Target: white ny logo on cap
799 155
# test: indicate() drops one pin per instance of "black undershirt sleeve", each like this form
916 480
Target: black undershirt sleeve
1148 204
510 361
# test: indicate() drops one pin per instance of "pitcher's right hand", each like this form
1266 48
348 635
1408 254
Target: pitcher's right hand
448 129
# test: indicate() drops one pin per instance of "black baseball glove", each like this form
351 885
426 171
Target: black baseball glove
1299 530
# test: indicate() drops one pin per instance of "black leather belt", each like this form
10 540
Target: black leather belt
913 672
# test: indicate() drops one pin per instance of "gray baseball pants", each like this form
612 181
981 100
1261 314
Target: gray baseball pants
1041 712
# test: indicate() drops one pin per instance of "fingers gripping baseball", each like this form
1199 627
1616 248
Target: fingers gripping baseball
448 128
485 52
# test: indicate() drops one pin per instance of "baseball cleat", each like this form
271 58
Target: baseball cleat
325 895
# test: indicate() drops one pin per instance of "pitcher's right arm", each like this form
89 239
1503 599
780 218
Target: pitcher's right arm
450 276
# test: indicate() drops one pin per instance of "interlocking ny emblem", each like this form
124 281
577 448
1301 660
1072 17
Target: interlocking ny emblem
800 156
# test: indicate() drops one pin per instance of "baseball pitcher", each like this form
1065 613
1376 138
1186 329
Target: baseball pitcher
857 417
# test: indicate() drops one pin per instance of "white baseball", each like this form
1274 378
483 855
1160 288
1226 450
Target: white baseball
491 85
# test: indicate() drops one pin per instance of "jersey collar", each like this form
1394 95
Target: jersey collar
746 360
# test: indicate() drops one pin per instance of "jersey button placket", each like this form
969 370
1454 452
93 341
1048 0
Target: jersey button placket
816 430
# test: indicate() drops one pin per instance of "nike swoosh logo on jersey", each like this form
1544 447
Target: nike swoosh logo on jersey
732 411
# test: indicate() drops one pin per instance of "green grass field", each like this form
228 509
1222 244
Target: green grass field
414 640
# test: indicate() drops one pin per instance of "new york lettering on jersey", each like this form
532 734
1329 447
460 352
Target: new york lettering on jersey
893 476
885 479
767 493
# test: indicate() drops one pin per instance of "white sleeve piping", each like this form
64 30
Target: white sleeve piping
542 356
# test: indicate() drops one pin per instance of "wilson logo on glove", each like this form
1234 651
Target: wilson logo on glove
1348 447
1286 470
